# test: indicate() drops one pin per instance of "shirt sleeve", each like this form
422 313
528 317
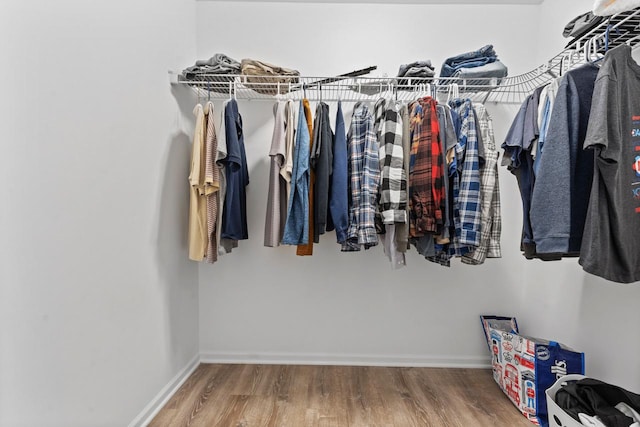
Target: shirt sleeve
605 121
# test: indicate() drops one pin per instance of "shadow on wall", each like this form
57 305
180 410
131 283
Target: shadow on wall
178 277
608 333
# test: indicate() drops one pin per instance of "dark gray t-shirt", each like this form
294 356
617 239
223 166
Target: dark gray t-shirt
611 239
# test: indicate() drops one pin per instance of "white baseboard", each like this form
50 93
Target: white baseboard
346 359
161 399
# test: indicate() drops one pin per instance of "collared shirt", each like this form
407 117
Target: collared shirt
426 175
364 180
339 199
491 219
468 204
306 248
393 183
296 230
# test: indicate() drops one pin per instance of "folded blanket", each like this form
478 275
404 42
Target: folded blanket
267 77
217 64
611 7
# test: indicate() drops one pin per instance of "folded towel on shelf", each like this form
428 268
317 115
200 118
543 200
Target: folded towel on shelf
267 78
611 7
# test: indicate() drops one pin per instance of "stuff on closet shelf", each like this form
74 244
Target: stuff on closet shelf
480 64
262 77
575 401
581 25
525 367
267 78
612 7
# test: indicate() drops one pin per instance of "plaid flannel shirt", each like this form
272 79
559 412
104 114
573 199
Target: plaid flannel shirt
426 175
491 223
392 202
467 213
364 180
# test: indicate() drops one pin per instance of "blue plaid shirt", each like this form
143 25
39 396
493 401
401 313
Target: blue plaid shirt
364 182
467 199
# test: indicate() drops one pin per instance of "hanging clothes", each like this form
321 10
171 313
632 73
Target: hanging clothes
402 230
560 198
393 187
276 199
392 200
198 202
491 219
322 163
611 244
364 181
296 230
426 174
306 249
290 125
339 198
211 182
224 246
448 141
545 109
234 219
519 160
466 191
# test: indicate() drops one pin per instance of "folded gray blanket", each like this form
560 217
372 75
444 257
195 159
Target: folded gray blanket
217 64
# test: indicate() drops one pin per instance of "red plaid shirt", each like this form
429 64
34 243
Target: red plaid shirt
426 175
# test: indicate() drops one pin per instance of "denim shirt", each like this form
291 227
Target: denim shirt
296 229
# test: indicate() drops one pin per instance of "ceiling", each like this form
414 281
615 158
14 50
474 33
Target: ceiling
404 1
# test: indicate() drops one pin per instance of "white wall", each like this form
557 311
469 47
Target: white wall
267 304
591 314
98 305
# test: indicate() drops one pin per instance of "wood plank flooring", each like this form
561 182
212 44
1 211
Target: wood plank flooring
337 396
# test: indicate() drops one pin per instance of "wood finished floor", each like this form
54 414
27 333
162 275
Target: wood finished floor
338 396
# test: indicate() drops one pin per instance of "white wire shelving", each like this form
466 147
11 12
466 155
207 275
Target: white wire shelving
616 30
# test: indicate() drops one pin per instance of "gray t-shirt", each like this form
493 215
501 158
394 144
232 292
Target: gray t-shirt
611 240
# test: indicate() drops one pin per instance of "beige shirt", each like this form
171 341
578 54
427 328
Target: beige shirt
198 204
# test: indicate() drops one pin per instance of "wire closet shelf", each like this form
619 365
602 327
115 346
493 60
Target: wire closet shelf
616 30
